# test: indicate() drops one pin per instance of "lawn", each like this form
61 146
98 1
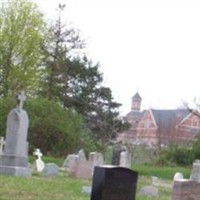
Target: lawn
63 187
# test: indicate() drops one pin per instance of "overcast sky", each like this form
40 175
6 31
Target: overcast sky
150 47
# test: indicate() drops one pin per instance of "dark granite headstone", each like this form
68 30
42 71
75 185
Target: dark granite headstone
114 183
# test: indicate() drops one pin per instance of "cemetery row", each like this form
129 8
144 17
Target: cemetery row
109 182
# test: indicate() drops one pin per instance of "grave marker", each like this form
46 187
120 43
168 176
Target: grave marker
114 183
14 160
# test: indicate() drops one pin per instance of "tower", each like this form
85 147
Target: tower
136 102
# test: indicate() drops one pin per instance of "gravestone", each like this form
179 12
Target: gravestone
50 169
81 155
150 191
70 162
14 160
96 159
83 170
2 143
195 176
114 183
39 162
116 153
186 190
125 159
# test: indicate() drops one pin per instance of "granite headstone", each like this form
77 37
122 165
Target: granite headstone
114 183
14 160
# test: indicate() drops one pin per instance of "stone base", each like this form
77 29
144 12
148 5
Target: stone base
14 165
15 171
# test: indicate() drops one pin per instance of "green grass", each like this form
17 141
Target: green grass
63 187
161 172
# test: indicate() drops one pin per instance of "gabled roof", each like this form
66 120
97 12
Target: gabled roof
137 96
166 119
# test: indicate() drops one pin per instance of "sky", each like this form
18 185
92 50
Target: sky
151 47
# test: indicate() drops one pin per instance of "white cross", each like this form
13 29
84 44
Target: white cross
21 97
2 143
38 153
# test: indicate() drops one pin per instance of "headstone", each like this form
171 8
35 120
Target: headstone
125 159
186 190
114 183
96 159
83 170
149 191
14 160
154 180
2 143
70 162
39 162
86 189
117 149
81 155
178 176
195 176
50 169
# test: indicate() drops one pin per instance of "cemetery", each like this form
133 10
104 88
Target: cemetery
92 177
61 133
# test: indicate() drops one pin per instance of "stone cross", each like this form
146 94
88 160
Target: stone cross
21 97
38 153
2 143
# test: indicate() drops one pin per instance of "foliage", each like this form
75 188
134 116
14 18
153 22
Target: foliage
21 33
175 155
196 147
55 130
76 82
6 104
52 67
58 47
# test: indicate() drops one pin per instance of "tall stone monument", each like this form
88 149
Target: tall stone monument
14 159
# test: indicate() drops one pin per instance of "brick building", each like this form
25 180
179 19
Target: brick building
160 127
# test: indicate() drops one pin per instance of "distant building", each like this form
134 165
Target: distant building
160 127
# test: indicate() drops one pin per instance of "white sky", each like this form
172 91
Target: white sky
152 47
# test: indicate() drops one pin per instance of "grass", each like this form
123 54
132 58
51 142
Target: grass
63 187
161 172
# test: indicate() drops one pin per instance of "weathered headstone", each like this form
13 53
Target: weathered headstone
125 159
39 162
2 143
150 191
186 190
81 155
96 159
114 183
50 169
178 176
83 170
195 176
71 162
14 160
117 149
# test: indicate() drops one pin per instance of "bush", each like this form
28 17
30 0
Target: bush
53 129
175 155
196 147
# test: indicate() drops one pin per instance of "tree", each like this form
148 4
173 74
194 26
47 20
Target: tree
85 93
60 45
21 33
